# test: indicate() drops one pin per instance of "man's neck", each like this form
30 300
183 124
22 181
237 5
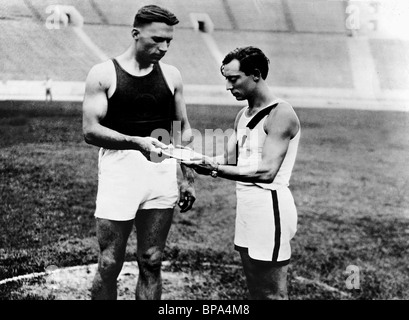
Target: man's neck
134 64
261 98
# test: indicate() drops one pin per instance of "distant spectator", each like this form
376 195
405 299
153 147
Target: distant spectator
48 84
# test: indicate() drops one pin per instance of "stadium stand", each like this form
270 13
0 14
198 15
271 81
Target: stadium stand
14 10
393 73
258 15
307 41
317 16
85 7
297 58
124 14
34 51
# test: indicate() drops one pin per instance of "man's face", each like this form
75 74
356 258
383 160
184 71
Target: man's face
153 41
238 83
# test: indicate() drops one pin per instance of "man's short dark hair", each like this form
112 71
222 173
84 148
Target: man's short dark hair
250 58
153 13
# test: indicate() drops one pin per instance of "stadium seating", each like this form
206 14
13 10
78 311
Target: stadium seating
33 51
306 41
394 70
317 16
14 10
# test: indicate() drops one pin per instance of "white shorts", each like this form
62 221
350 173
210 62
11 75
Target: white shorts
127 182
266 221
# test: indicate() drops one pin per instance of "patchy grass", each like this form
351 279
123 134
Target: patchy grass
349 183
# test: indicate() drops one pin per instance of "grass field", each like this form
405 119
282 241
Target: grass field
350 185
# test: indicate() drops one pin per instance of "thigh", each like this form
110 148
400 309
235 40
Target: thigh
113 235
264 276
152 228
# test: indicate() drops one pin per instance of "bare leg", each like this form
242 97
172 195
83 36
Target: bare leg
152 228
112 238
265 281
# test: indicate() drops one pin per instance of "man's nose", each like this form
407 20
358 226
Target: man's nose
163 46
228 85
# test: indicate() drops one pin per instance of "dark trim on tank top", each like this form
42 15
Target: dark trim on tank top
132 75
272 106
156 65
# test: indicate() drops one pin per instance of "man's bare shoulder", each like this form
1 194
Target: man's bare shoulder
171 71
172 76
238 116
283 118
169 68
102 73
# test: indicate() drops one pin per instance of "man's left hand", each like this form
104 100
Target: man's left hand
203 166
187 196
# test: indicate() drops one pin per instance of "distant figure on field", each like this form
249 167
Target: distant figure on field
48 85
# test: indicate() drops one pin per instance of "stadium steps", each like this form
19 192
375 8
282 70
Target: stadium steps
85 7
317 16
294 61
391 58
15 9
258 15
124 14
244 15
33 51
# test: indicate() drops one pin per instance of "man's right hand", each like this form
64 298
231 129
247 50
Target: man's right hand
151 148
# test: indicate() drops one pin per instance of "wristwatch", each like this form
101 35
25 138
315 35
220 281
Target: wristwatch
215 171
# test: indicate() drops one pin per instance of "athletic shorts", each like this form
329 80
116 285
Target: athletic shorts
266 221
128 182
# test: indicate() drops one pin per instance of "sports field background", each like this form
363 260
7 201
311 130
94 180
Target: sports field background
349 184
350 180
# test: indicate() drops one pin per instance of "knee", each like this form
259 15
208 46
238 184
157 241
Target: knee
280 294
150 260
109 267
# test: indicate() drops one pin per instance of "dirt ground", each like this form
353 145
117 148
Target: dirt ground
74 284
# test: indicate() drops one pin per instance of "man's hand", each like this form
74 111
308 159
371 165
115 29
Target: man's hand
151 148
187 196
203 166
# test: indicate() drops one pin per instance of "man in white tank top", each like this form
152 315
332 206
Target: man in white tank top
260 156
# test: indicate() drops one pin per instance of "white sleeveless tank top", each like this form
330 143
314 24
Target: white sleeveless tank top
250 146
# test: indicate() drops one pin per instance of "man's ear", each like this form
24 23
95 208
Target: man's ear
256 75
135 33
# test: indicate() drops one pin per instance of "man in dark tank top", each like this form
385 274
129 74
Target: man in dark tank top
140 104
127 100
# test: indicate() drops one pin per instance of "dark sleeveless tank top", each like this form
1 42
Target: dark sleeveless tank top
140 105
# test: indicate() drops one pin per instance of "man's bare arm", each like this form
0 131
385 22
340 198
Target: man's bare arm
280 129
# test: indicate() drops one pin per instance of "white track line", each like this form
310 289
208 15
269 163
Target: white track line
164 263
